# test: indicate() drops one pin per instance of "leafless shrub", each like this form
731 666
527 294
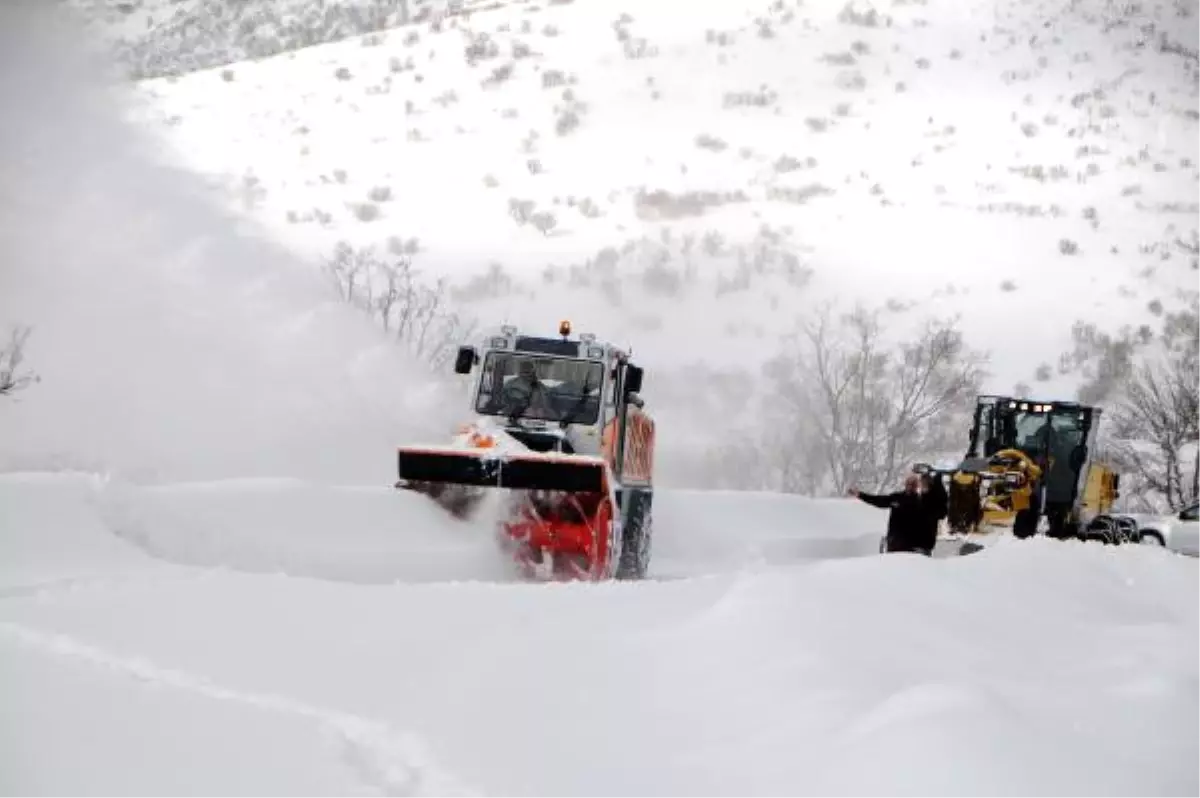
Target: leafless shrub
786 163
566 120
553 78
817 125
343 73
849 15
480 48
1067 247
499 75
720 38
588 208
380 194
389 289
707 142
761 98
1008 285
12 355
840 59
543 221
661 204
364 211
798 196
1043 373
227 75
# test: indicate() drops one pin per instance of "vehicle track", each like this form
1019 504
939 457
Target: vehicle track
386 759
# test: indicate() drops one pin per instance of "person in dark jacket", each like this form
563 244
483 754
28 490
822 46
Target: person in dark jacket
909 527
937 505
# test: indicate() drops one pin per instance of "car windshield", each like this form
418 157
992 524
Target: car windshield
520 385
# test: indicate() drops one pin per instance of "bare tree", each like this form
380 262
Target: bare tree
861 410
1157 423
390 290
1149 379
12 355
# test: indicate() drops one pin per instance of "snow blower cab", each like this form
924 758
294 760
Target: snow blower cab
560 428
1027 459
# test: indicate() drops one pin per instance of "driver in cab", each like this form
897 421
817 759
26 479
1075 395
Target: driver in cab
525 392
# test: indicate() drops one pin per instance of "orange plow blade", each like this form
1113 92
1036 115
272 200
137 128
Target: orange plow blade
486 468
560 518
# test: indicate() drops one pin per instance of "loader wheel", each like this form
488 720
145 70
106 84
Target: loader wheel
638 534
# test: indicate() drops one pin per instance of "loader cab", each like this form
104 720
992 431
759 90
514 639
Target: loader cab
1055 435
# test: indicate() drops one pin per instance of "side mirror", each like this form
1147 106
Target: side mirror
633 379
465 360
636 400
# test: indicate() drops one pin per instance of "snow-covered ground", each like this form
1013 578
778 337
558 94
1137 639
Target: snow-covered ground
307 651
207 586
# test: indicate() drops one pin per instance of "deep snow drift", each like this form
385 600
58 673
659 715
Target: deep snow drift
199 610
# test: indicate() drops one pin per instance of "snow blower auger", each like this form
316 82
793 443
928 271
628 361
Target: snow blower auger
561 429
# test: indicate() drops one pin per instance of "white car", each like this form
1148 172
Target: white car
1180 532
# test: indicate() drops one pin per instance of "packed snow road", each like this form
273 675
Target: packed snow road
283 637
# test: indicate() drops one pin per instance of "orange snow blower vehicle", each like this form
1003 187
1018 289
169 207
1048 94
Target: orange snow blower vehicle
561 431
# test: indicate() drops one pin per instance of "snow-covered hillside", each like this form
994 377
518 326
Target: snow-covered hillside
208 586
695 182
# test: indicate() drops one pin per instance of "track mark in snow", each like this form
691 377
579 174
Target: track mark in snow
388 760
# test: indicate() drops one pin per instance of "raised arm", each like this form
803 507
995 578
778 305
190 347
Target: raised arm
874 499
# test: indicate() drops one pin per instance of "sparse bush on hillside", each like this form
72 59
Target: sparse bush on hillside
798 196
761 98
481 47
13 377
786 163
870 18
707 142
1067 247
380 194
364 211
662 204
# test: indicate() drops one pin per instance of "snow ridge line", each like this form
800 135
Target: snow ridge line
389 760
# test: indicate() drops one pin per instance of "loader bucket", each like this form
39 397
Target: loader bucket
523 471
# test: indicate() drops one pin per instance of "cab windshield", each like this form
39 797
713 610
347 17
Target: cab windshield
520 385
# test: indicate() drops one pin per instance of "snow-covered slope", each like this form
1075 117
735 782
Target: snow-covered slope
694 182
